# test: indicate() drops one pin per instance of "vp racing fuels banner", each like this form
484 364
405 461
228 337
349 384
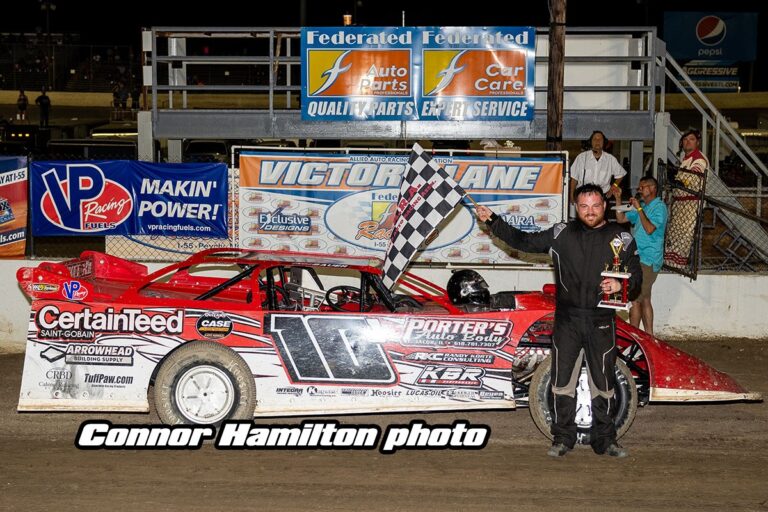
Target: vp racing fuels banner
124 197
418 73
345 204
13 206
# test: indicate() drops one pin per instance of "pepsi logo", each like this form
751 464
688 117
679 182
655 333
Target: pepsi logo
710 30
82 199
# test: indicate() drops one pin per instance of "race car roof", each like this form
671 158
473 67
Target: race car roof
249 256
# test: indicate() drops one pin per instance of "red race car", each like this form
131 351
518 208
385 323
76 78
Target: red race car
232 333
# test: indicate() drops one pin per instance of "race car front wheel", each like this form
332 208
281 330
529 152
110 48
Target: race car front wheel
541 401
204 383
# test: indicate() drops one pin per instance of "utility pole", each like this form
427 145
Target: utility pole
556 74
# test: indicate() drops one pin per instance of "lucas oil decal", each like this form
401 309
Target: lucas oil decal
464 333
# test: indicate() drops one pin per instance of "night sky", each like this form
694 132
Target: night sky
107 22
119 22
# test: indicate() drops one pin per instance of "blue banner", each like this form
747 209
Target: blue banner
418 73
97 198
730 36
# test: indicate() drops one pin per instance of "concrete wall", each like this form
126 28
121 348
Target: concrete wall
722 305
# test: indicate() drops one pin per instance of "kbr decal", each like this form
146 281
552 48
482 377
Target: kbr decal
83 200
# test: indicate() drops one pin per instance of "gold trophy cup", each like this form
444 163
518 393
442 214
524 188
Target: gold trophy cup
618 300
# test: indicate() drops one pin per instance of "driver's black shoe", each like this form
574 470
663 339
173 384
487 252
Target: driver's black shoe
558 450
614 450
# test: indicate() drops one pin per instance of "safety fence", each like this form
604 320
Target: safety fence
707 236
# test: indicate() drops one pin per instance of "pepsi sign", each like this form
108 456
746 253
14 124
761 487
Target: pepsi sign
723 36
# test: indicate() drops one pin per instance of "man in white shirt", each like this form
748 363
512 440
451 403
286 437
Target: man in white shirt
596 166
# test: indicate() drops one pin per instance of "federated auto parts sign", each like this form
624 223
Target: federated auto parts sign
417 73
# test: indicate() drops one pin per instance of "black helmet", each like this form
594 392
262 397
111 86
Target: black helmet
468 287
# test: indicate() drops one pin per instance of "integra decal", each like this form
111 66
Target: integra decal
464 333
56 324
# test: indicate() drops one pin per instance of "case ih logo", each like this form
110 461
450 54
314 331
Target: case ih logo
83 199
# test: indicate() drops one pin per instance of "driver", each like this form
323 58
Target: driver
468 289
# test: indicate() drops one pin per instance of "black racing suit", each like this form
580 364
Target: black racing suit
580 254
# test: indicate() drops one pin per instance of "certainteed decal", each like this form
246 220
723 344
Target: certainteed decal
214 325
53 323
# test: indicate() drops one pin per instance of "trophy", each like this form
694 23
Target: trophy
618 300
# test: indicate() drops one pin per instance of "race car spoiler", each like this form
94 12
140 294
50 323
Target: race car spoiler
91 275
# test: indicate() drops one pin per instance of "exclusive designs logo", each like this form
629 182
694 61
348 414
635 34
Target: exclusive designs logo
81 199
279 223
359 72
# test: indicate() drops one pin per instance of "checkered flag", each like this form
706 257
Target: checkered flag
427 196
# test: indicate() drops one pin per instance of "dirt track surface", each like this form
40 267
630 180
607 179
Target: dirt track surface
682 457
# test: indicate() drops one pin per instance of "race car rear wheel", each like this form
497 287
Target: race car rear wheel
204 383
541 401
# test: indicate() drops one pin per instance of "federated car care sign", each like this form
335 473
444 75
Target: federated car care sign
345 204
418 73
128 198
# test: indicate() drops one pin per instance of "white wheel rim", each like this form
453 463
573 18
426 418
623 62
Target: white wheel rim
205 394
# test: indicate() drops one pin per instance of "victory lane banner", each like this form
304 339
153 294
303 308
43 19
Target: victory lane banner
418 73
346 204
122 197
13 206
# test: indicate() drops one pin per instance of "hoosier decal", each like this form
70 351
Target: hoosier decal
463 333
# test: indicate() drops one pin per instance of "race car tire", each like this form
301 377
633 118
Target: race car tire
204 383
540 400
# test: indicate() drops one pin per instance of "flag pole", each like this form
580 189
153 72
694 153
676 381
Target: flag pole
470 198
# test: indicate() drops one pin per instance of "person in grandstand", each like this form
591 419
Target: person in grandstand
596 166
649 217
580 251
44 102
687 190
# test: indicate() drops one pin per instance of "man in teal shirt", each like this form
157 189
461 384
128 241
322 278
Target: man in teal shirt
649 218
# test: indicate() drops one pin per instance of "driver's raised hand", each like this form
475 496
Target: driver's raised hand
483 213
